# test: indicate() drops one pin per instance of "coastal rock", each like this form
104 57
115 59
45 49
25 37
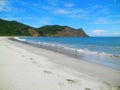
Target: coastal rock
68 31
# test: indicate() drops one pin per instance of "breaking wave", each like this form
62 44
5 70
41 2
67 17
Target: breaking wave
67 50
102 58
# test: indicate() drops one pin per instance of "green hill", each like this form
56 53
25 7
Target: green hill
50 30
57 30
14 28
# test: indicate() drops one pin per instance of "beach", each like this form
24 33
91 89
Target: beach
25 67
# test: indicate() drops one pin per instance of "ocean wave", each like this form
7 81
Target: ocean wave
102 58
72 51
19 39
76 52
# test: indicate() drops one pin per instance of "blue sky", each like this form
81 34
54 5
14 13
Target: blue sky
96 17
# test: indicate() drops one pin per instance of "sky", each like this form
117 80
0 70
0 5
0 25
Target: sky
96 17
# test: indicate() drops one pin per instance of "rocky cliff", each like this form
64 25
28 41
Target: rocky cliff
68 31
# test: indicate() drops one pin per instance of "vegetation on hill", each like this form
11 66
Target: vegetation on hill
14 28
57 30
50 30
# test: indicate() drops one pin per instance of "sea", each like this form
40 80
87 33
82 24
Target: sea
100 50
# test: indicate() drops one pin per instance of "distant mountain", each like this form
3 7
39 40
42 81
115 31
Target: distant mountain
14 28
57 30
68 31
50 30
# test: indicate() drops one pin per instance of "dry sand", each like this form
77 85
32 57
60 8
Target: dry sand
24 67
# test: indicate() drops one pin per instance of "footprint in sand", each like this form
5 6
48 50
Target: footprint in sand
87 89
31 58
47 72
34 62
70 81
23 55
107 83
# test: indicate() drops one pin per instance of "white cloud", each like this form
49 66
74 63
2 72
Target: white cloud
67 9
105 11
3 5
96 7
75 16
6 5
46 7
70 12
44 21
101 21
53 2
99 32
12 18
106 21
68 5
21 18
97 10
117 33
62 11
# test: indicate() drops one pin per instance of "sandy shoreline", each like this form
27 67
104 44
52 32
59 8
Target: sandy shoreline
25 67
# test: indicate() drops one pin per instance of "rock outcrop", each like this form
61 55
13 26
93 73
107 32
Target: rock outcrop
68 31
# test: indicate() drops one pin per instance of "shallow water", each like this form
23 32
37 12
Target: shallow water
100 50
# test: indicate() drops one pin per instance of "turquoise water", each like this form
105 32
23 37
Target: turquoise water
100 50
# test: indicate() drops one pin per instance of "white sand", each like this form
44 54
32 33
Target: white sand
46 70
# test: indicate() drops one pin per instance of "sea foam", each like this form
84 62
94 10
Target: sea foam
102 58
